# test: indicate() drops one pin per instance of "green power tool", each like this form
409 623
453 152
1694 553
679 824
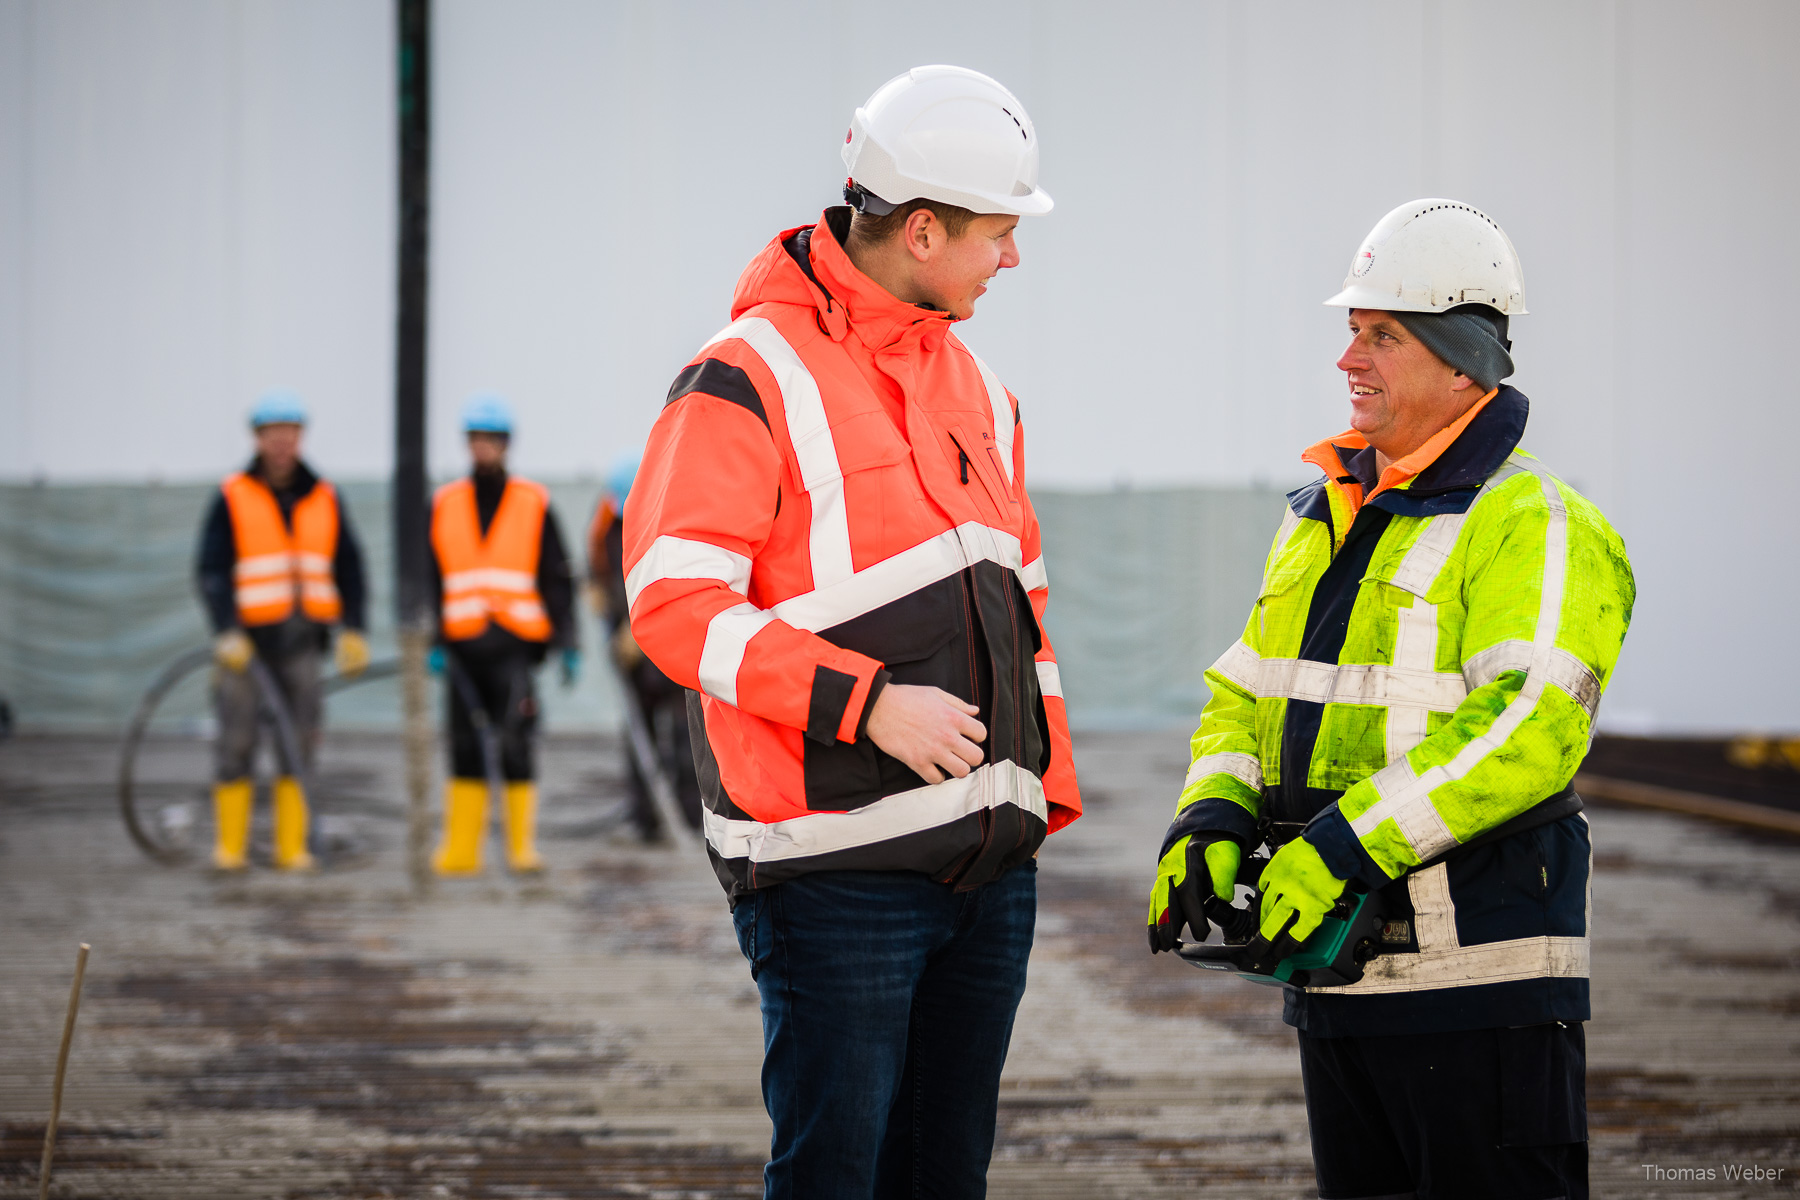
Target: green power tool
1333 955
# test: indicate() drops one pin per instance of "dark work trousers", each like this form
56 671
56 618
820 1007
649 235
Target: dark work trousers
292 657
1498 1113
500 668
887 1007
664 704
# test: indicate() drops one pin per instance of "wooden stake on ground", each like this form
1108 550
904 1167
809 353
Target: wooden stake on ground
62 1066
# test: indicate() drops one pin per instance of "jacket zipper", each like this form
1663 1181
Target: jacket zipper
963 456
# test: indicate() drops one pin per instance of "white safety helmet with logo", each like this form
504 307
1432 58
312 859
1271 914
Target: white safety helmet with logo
947 134
1432 255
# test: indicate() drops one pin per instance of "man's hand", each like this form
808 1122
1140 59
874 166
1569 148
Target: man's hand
928 729
232 650
1297 883
1196 867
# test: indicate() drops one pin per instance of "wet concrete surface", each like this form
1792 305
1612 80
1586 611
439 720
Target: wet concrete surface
593 1032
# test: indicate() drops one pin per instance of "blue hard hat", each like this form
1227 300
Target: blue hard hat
487 413
278 408
620 475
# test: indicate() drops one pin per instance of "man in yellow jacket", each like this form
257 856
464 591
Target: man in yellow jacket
1411 696
279 567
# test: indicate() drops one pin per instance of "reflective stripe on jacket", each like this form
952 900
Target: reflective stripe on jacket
492 577
834 497
276 563
1418 669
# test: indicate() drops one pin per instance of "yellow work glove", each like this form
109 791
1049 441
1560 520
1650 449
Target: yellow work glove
1196 867
1297 881
352 655
233 651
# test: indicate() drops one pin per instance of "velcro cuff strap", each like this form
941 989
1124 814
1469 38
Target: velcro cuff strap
831 692
1341 850
875 685
1214 815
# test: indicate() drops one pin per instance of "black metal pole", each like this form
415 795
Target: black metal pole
411 591
409 342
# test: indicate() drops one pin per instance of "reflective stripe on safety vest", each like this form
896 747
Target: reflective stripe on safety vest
277 564
491 577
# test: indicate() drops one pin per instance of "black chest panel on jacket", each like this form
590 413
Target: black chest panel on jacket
1327 621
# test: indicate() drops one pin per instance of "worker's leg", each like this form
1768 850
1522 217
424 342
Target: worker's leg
518 725
297 675
940 1131
234 753
1498 1113
837 956
466 793
645 818
1355 1153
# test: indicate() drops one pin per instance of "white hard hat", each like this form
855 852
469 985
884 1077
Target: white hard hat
948 134
1432 255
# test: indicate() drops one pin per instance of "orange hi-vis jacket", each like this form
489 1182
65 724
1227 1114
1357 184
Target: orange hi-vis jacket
276 564
493 577
832 499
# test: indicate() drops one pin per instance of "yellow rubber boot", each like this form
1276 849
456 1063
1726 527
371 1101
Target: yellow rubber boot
231 823
465 828
521 827
291 820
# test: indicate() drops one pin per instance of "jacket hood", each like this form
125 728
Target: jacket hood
807 266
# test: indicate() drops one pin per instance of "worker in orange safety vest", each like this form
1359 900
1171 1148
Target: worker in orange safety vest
505 599
831 542
279 567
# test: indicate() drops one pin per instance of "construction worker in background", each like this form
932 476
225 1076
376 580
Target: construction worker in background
278 567
1404 713
505 600
662 701
830 540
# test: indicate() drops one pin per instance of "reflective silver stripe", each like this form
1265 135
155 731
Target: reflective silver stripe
1406 797
261 566
1032 575
1241 665
252 594
497 579
468 606
1359 683
316 563
899 575
809 431
684 558
990 785
1049 679
1415 649
1003 414
1240 766
727 634
1565 671
1290 521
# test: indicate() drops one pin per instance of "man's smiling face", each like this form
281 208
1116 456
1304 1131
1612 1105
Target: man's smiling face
1400 392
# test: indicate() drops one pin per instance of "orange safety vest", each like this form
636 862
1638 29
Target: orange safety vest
274 562
494 576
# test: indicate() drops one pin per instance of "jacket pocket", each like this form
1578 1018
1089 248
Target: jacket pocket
919 639
981 459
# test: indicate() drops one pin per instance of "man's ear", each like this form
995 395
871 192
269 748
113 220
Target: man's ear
923 233
1459 382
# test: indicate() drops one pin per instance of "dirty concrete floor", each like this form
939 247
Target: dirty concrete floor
594 1033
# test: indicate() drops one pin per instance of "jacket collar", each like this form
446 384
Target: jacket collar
849 300
302 484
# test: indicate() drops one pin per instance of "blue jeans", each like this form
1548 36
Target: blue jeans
887 1006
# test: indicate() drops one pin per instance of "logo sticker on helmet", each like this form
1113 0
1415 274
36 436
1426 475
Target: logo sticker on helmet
1364 260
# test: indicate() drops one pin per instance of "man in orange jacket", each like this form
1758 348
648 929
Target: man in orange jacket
830 540
505 599
278 567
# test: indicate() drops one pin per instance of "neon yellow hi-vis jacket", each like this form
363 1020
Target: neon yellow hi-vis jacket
1417 670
